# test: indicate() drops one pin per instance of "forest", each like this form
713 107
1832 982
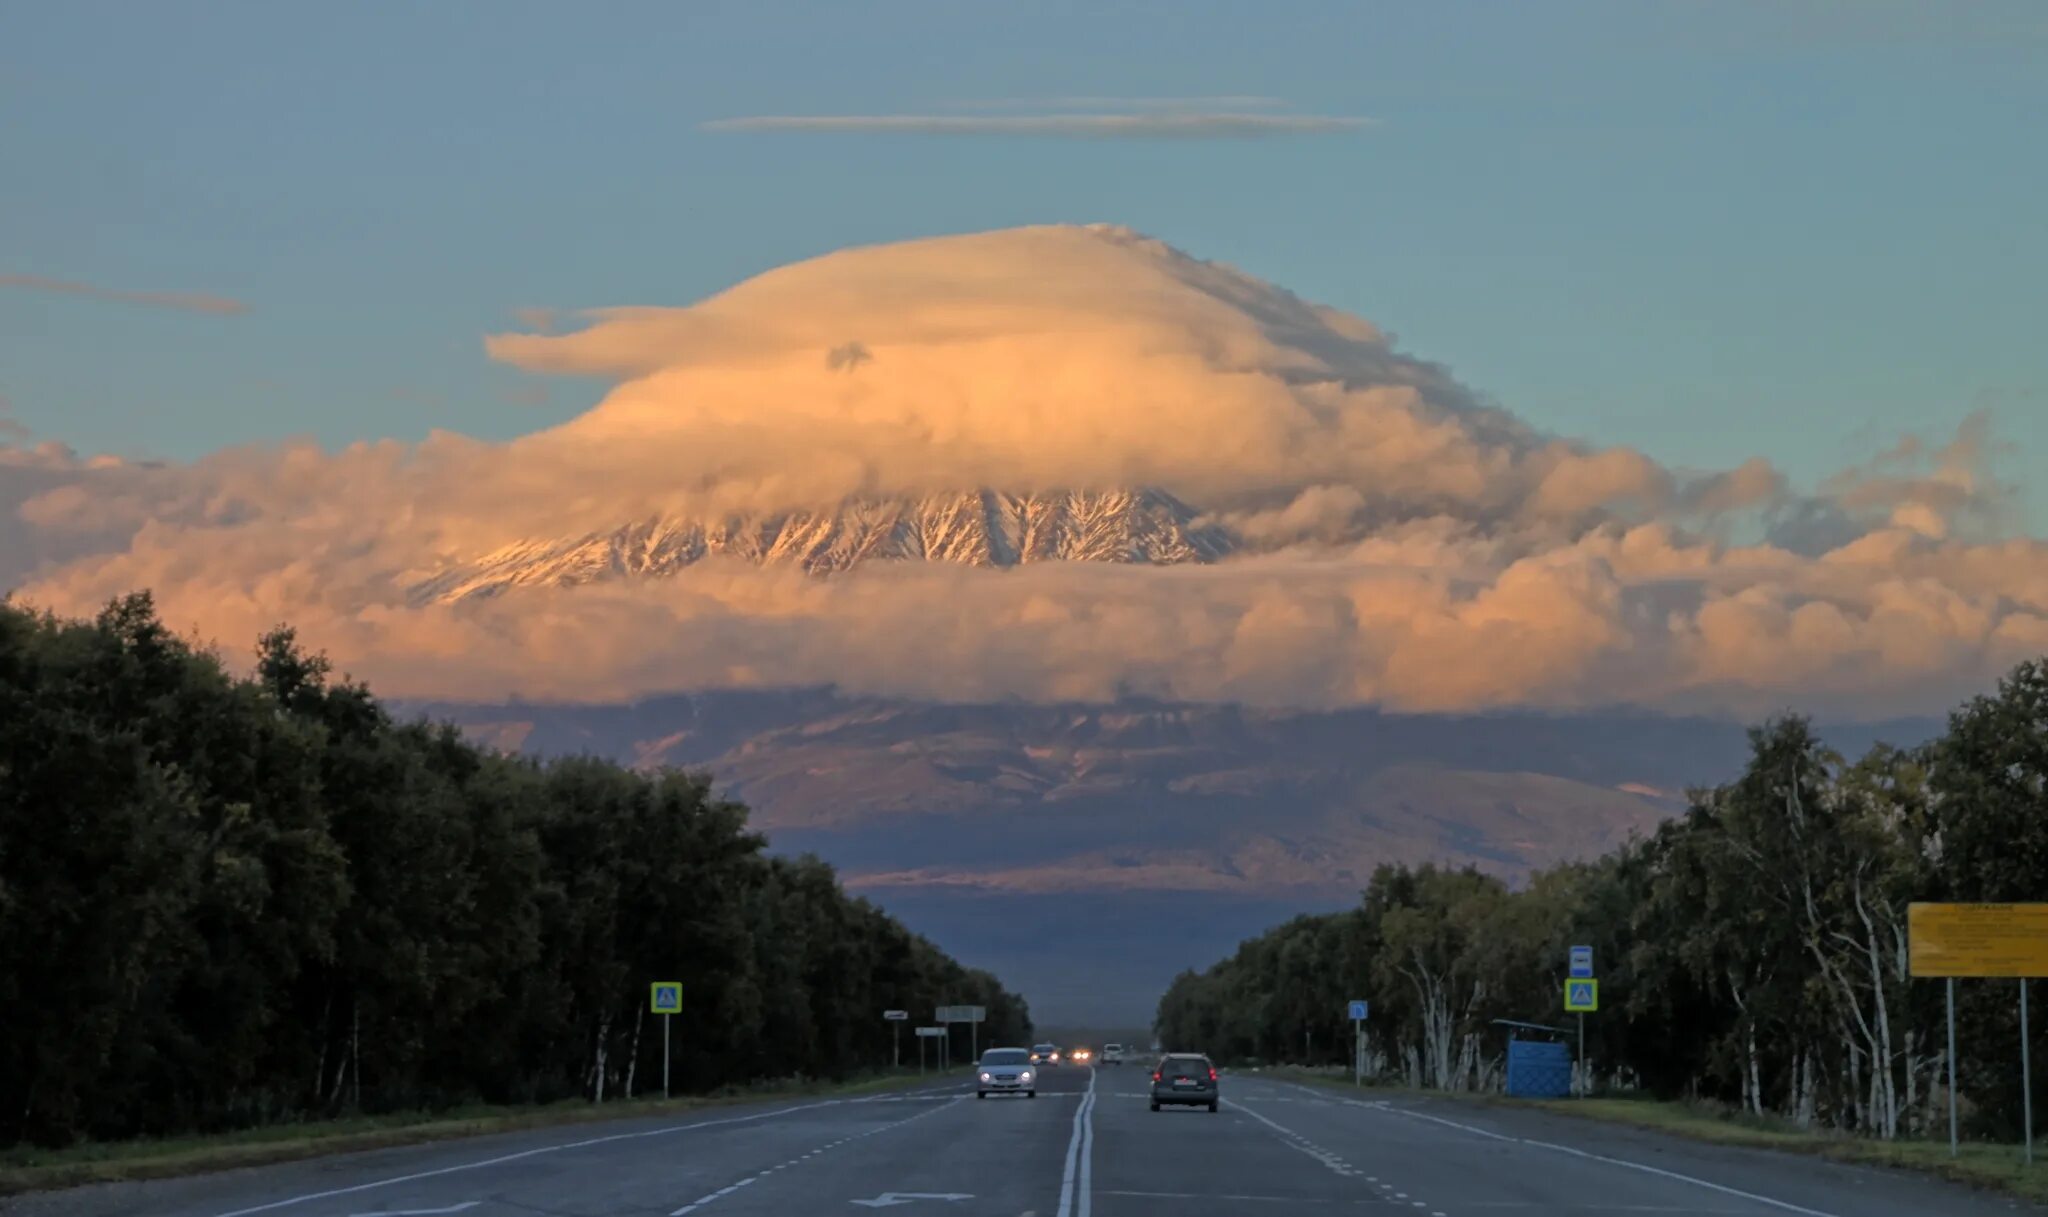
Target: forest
1751 952
233 900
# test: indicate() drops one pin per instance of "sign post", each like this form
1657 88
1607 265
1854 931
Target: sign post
1581 997
1358 1010
896 1020
1581 968
923 1034
665 997
973 1016
2003 941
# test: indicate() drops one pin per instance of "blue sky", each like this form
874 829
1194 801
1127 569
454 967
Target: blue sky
1710 231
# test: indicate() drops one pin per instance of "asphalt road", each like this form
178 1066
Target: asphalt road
1087 1146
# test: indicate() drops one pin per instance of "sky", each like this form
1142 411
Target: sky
1698 229
1667 353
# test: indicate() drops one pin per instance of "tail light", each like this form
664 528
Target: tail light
1212 1073
1155 1075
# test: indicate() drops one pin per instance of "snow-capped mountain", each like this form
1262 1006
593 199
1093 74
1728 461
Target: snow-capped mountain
980 528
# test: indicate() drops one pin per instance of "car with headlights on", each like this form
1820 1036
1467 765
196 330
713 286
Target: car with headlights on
1006 1071
1045 1054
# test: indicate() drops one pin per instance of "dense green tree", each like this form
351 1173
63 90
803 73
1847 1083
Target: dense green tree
227 900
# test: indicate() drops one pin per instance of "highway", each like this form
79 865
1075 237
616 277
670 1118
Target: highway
1088 1146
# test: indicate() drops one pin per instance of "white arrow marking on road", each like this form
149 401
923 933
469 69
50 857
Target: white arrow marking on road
453 1208
888 1198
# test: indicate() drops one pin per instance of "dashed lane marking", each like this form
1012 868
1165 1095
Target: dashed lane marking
730 1188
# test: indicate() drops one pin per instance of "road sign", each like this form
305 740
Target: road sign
931 1033
1358 1011
961 1014
665 997
896 1016
1582 996
1582 963
1981 940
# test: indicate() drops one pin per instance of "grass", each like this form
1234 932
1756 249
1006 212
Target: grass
26 1168
1996 1167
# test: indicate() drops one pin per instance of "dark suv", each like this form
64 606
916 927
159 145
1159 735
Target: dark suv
1186 1078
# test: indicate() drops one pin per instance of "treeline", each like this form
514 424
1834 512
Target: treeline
1752 950
228 901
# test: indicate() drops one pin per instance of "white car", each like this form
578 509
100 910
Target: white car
1005 1071
1112 1054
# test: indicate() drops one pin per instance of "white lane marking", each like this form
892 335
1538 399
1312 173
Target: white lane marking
1709 1184
729 1189
526 1153
453 1208
1071 1175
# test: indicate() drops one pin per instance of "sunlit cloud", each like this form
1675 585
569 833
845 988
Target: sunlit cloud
185 301
1399 540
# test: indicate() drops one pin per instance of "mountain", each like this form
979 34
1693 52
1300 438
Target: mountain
1091 852
984 528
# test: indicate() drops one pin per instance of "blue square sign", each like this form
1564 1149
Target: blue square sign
1358 1011
665 997
1582 963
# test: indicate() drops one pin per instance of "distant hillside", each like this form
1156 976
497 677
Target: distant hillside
1091 852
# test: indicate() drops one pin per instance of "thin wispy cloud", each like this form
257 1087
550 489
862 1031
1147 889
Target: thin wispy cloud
185 301
1158 125
1213 103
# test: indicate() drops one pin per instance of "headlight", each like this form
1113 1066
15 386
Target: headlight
987 1078
1024 1076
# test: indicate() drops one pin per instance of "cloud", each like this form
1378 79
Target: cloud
188 302
1224 102
541 319
1160 125
1402 541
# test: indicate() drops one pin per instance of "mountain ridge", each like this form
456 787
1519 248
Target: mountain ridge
982 528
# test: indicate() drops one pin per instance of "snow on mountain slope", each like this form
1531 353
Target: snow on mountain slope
987 529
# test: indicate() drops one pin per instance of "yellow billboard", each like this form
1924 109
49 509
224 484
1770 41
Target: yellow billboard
1977 940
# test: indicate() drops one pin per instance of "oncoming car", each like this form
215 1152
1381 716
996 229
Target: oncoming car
1080 1056
1045 1054
1005 1071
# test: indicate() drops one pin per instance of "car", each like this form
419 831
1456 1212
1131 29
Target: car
1045 1054
1185 1079
1006 1071
1112 1054
1081 1056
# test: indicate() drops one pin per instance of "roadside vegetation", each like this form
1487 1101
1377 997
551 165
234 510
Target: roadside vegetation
1752 951
232 903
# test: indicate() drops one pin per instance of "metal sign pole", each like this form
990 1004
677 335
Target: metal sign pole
1951 1066
1585 1082
665 1020
896 1045
2026 1074
1357 1052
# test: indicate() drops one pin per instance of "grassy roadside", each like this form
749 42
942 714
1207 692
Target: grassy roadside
2000 1168
27 1169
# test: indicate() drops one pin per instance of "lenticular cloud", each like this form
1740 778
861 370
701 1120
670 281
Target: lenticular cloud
1343 523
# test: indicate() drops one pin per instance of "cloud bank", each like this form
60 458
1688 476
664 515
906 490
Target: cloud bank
1157 125
1403 541
184 301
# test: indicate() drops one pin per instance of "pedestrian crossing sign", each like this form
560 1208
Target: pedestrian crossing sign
1581 996
667 997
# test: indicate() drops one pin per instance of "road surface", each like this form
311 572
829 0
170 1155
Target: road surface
1087 1146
